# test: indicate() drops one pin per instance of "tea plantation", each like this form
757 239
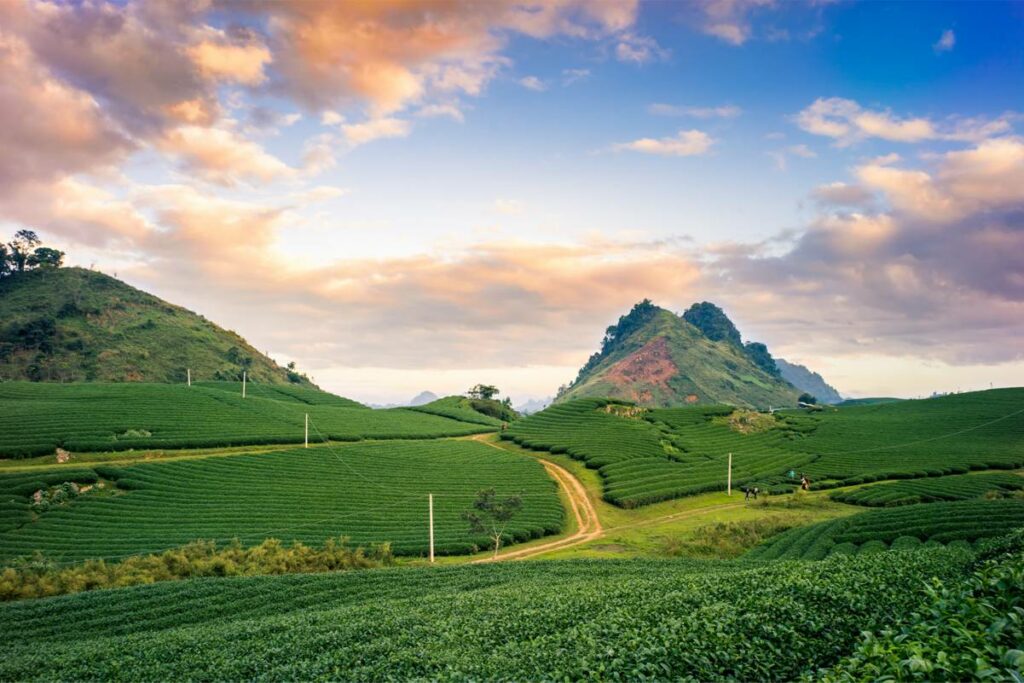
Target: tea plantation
904 527
567 620
37 418
370 492
646 456
931 490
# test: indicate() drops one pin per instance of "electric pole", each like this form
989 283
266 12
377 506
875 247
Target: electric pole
306 442
431 499
188 372
243 383
729 484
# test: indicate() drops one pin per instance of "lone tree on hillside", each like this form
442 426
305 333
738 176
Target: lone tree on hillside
24 253
809 399
492 514
485 391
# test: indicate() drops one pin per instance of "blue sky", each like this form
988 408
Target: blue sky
423 195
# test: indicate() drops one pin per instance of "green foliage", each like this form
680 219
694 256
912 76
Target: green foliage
372 493
492 513
713 323
483 391
478 411
932 489
37 418
574 620
940 522
965 630
808 399
760 356
615 335
100 329
37 577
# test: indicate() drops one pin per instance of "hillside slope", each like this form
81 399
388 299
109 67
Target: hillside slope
807 380
658 359
72 324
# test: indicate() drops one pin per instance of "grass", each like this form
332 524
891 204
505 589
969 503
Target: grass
37 418
371 493
73 324
933 489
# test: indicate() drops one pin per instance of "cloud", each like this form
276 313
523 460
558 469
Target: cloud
685 143
221 60
452 111
329 54
781 156
729 20
936 274
49 129
843 194
570 76
222 156
726 111
945 42
847 123
375 129
533 83
639 49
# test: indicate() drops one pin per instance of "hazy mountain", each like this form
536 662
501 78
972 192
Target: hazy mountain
807 380
422 398
534 405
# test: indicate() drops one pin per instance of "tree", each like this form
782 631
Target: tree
808 399
491 514
45 257
713 322
484 391
5 265
21 249
758 353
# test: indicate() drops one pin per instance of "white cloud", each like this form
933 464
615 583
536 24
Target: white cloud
330 117
450 110
570 76
639 49
945 42
222 156
685 143
781 155
375 129
847 122
726 111
533 83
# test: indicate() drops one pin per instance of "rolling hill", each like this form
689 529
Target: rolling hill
73 324
656 358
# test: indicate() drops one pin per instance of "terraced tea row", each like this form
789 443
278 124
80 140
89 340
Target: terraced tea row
908 439
932 489
369 492
938 522
37 418
569 620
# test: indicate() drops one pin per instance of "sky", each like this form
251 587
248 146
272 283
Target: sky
405 196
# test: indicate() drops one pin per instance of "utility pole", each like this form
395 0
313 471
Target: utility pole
243 383
729 484
431 499
307 432
189 373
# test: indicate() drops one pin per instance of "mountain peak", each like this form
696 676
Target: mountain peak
657 358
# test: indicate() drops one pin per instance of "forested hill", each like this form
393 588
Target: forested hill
657 358
64 324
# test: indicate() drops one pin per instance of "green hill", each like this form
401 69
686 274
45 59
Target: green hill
656 358
72 324
481 411
808 381
37 417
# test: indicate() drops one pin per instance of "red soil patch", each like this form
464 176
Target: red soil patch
651 365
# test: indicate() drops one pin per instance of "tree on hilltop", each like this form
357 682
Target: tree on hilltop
484 391
24 253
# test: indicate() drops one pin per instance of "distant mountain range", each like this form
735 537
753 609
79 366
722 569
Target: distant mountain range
657 358
534 405
73 324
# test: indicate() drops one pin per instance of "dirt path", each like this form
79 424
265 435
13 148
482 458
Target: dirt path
588 526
